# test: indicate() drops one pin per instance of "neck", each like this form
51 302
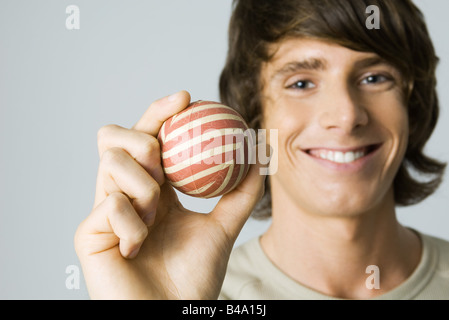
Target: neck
331 254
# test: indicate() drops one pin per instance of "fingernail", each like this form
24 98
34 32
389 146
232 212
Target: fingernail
173 97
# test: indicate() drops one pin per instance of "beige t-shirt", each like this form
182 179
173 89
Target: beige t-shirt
252 276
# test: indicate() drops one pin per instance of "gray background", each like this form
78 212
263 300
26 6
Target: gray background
58 87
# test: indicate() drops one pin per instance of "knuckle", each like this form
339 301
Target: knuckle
118 202
154 190
105 131
112 155
151 191
150 148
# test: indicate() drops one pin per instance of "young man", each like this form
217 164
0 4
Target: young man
353 108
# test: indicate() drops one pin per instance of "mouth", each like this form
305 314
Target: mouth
343 155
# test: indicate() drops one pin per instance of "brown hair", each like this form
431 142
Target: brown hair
402 39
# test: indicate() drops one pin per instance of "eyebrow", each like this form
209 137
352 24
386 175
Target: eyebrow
295 66
371 62
315 64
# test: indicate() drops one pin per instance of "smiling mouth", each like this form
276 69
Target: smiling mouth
343 156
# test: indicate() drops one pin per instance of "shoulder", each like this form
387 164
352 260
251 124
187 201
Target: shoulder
438 280
441 246
242 270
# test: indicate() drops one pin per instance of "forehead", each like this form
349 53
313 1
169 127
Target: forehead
317 55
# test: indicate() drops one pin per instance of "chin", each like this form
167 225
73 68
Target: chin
345 205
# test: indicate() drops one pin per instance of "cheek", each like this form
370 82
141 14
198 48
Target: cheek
283 121
390 111
394 122
401 134
287 120
285 113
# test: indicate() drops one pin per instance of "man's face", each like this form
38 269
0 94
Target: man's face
343 126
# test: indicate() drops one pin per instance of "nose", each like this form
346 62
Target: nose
342 111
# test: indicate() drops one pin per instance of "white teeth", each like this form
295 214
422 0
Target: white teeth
341 157
349 157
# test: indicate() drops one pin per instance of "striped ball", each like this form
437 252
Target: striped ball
205 150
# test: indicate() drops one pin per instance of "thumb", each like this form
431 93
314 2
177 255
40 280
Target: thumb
235 207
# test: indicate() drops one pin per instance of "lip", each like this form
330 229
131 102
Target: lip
372 150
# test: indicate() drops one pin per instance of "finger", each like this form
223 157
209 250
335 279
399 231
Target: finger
113 222
119 172
160 110
144 148
235 207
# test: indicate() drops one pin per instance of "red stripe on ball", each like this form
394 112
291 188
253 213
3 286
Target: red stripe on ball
197 158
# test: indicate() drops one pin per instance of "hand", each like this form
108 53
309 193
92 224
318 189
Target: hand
139 242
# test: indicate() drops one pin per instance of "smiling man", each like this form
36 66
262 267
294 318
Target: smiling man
353 108
343 133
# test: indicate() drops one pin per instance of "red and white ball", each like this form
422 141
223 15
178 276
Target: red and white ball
205 149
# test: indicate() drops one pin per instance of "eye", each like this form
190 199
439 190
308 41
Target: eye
302 85
375 79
